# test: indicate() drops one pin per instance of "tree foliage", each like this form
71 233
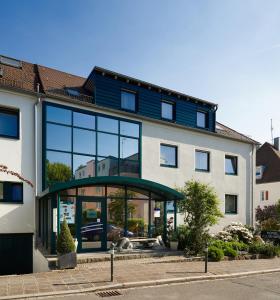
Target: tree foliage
269 217
65 242
201 209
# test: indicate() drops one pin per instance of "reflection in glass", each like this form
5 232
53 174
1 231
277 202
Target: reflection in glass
231 165
83 120
108 145
128 100
83 166
107 124
83 141
167 110
168 155
107 166
96 191
59 115
201 160
138 218
134 192
201 119
129 129
68 211
58 137
58 167
157 218
9 123
129 168
129 148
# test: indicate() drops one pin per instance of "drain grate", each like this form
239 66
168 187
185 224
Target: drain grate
108 294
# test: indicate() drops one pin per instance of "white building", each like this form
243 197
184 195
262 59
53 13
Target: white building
86 143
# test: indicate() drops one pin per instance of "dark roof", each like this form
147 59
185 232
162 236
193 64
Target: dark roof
55 83
268 157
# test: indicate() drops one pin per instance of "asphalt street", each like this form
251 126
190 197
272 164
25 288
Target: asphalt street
253 287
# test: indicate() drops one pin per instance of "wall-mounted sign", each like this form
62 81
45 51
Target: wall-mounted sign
67 211
157 213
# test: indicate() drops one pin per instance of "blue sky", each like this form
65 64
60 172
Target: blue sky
227 52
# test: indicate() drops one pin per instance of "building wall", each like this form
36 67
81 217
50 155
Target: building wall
18 156
273 189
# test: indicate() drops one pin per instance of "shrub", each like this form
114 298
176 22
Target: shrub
239 232
224 236
65 242
270 250
215 253
268 212
228 251
255 248
270 224
239 246
183 236
136 225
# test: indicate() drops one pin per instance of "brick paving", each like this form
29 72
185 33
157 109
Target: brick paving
98 274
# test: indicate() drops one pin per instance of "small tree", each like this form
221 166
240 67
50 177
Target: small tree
65 242
201 208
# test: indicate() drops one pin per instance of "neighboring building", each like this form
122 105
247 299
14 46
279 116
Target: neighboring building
267 190
108 150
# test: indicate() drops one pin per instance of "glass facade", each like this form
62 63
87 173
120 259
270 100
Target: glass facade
80 144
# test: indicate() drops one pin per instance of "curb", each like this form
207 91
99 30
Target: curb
141 284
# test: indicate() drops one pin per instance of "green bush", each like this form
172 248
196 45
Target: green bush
65 242
269 250
255 248
228 251
239 246
136 225
183 236
215 253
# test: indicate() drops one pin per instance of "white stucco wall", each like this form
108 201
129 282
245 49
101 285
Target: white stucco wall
273 189
18 156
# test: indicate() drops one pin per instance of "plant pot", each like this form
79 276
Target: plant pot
174 245
67 261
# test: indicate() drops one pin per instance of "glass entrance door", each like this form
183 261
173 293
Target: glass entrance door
91 223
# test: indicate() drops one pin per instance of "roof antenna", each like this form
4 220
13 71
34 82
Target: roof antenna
271 130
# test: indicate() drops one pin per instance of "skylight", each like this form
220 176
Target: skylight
10 62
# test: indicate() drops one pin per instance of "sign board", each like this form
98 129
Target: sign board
54 220
67 211
157 213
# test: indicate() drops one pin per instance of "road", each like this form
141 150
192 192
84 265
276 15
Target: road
253 287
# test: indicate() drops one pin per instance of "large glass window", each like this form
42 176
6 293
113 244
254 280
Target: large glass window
202 161
230 165
128 100
168 156
167 110
231 204
9 123
81 145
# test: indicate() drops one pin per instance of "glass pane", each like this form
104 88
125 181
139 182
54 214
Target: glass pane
201 160
107 166
138 218
97 191
108 124
157 218
17 192
115 191
129 168
59 115
167 110
201 119
92 228
168 155
230 204
84 141
58 137
134 192
83 166
83 120
1 191
130 129
129 148
230 165
68 211
128 101
58 167
8 124
108 145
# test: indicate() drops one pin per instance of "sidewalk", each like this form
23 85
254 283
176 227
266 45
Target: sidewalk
94 275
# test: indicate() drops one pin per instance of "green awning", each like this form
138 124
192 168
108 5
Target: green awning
163 191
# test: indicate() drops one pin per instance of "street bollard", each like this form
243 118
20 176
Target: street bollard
206 258
112 251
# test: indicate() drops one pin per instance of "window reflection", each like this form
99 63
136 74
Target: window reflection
83 166
83 141
58 167
107 166
59 115
129 129
83 120
108 125
168 155
129 168
129 148
58 137
108 145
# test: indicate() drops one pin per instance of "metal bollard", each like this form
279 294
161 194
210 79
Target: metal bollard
112 251
206 258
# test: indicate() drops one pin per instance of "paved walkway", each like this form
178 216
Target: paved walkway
98 274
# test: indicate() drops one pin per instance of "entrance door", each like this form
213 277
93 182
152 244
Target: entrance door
91 223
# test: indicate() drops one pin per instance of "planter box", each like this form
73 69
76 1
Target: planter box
67 261
174 245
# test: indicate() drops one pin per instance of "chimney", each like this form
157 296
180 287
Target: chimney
277 143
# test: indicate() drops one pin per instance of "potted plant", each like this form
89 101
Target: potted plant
67 256
173 240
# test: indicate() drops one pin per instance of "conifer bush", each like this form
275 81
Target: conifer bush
65 242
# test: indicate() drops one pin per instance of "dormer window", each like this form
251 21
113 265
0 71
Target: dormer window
128 101
201 119
167 110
